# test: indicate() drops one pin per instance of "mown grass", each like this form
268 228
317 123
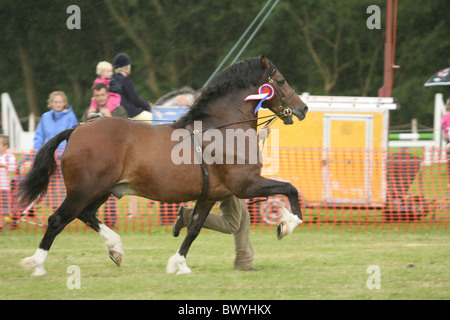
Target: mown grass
309 264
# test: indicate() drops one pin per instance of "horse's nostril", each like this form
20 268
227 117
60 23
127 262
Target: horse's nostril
306 109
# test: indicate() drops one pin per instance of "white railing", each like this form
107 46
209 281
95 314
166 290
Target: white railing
19 139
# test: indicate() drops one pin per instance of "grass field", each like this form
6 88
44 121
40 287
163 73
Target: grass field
309 264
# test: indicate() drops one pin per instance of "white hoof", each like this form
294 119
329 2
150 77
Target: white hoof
36 262
38 272
28 263
177 263
113 243
288 223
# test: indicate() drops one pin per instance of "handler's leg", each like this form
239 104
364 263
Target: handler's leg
235 219
243 246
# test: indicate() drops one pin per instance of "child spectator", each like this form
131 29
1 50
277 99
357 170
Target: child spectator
104 71
7 166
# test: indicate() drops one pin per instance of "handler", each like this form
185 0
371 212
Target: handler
235 219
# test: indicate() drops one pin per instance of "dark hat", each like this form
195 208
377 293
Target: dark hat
121 60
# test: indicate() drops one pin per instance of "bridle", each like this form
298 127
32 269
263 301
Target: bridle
283 109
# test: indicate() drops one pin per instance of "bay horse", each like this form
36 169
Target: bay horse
123 157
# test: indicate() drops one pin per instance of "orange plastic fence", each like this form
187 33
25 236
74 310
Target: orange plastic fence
339 189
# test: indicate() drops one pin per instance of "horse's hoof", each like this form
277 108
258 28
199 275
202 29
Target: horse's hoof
280 232
288 223
177 263
28 263
284 229
39 272
116 257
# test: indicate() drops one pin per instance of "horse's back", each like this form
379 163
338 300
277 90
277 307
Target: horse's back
94 141
114 151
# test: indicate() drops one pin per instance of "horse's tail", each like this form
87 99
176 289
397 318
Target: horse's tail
36 181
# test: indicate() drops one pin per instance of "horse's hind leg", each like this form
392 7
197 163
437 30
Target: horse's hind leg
178 261
113 240
67 212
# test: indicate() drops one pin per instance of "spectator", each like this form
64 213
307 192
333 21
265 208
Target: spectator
105 103
7 166
446 122
121 83
446 134
23 166
104 71
59 118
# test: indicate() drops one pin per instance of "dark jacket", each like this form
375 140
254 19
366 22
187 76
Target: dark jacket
130 100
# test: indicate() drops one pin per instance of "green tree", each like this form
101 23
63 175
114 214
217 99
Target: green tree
322 47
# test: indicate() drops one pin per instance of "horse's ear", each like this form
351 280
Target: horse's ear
264 62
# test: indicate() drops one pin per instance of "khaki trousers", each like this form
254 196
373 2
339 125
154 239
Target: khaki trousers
235 219
144 116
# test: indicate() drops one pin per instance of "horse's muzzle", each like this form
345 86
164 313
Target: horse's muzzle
300 113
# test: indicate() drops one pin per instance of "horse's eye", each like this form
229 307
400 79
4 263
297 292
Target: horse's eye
281 82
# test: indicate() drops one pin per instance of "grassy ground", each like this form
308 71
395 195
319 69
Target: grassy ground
309 264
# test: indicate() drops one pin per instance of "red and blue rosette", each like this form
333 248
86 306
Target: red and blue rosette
265 92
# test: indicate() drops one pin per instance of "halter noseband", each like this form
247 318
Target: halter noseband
284 110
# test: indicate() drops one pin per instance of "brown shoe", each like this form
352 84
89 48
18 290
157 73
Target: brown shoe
246 268
179 223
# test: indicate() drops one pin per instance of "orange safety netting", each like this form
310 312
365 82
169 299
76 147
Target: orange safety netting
340 189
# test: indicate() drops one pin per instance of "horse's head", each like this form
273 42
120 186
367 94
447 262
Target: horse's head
285 102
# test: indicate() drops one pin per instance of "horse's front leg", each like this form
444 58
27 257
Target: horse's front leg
263 187
177 263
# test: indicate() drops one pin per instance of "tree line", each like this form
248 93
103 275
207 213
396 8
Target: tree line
322 47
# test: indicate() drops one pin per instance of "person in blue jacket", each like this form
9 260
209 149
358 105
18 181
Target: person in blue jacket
59 118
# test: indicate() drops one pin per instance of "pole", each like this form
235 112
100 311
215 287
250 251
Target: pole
386 89
255 31
243 36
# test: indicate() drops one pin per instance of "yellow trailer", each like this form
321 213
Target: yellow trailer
337 155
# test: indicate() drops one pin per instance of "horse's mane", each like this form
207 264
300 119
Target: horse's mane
238 76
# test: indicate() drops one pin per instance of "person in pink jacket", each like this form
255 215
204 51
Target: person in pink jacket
446 121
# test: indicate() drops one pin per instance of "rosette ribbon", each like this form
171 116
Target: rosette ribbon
265 92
